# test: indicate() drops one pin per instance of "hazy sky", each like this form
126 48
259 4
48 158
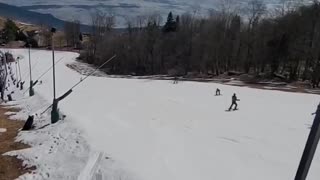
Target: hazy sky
122 9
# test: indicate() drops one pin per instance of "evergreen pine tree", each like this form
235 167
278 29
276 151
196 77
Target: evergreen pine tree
170 18
170 25
10 31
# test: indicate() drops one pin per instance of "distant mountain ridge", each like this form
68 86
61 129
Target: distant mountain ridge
23 15
55 13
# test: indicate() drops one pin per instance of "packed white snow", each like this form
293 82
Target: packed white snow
155 130
2 130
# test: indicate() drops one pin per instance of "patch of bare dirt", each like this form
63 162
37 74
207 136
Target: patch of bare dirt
10 167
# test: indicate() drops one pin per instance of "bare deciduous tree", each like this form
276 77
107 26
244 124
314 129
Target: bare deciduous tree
72 33
284 46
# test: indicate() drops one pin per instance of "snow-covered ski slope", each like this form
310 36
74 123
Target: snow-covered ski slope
157 130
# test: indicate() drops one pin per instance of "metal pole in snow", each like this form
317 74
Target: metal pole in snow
20 83
71 89
17 76
31 91
54 112
37 80
19 68
6 71
310 148
53 64
30 63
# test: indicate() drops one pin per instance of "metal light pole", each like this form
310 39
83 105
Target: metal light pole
5 76
20 81
31 91
310 148
54 111
17 76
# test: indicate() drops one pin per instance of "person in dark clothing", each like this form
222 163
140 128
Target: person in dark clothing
234 102
218 92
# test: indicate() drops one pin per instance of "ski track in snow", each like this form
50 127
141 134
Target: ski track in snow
133 129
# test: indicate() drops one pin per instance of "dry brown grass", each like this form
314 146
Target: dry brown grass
23 26
10 167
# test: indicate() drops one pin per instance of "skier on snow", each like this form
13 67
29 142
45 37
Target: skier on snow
218 92
234 102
